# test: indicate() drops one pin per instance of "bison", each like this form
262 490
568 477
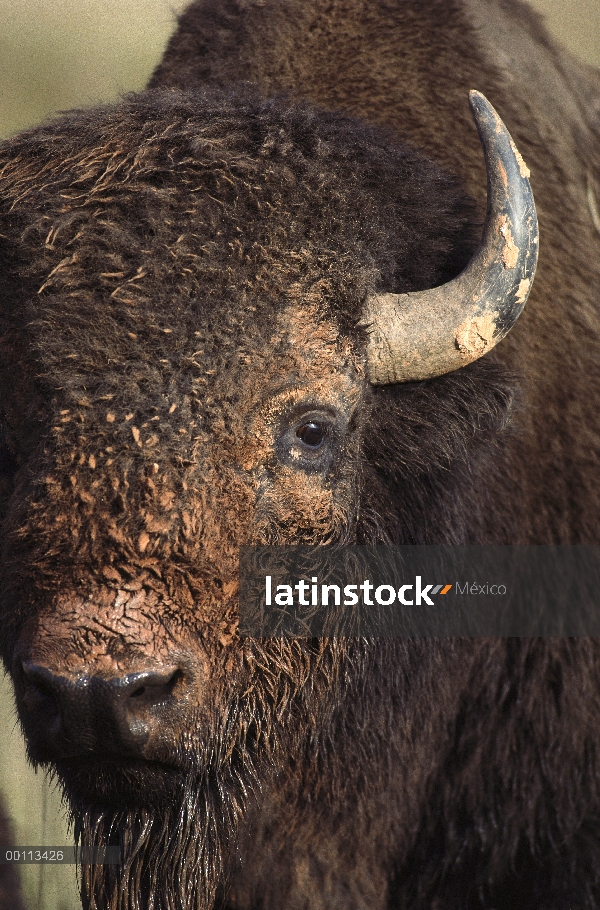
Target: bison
224 321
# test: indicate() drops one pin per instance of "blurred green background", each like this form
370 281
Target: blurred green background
58 54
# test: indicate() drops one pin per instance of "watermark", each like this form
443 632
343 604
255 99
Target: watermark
60 855
434 591
353 594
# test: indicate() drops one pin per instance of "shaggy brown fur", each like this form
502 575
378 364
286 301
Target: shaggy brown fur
183 275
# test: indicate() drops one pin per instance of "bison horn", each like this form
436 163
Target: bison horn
429 333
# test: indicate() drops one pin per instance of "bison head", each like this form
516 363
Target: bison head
198 294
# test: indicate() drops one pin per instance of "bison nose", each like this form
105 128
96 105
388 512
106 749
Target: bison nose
66 717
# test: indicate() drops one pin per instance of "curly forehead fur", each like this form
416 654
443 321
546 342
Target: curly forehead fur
159 242
164 216
261 198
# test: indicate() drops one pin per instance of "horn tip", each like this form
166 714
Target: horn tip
480 106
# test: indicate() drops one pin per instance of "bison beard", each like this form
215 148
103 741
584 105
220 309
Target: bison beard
180 849
175 850
172 857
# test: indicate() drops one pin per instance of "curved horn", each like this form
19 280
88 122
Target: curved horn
429 333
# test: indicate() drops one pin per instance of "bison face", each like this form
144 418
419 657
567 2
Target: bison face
126 529
182 371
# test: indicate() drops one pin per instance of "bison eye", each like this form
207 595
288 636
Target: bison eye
312 434
310 438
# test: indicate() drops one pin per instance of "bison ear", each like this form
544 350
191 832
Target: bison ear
429 333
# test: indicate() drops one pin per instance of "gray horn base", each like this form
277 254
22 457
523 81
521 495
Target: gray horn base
429 333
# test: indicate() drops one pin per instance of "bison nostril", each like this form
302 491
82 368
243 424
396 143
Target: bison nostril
153 687
38 697
40 687
41 700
